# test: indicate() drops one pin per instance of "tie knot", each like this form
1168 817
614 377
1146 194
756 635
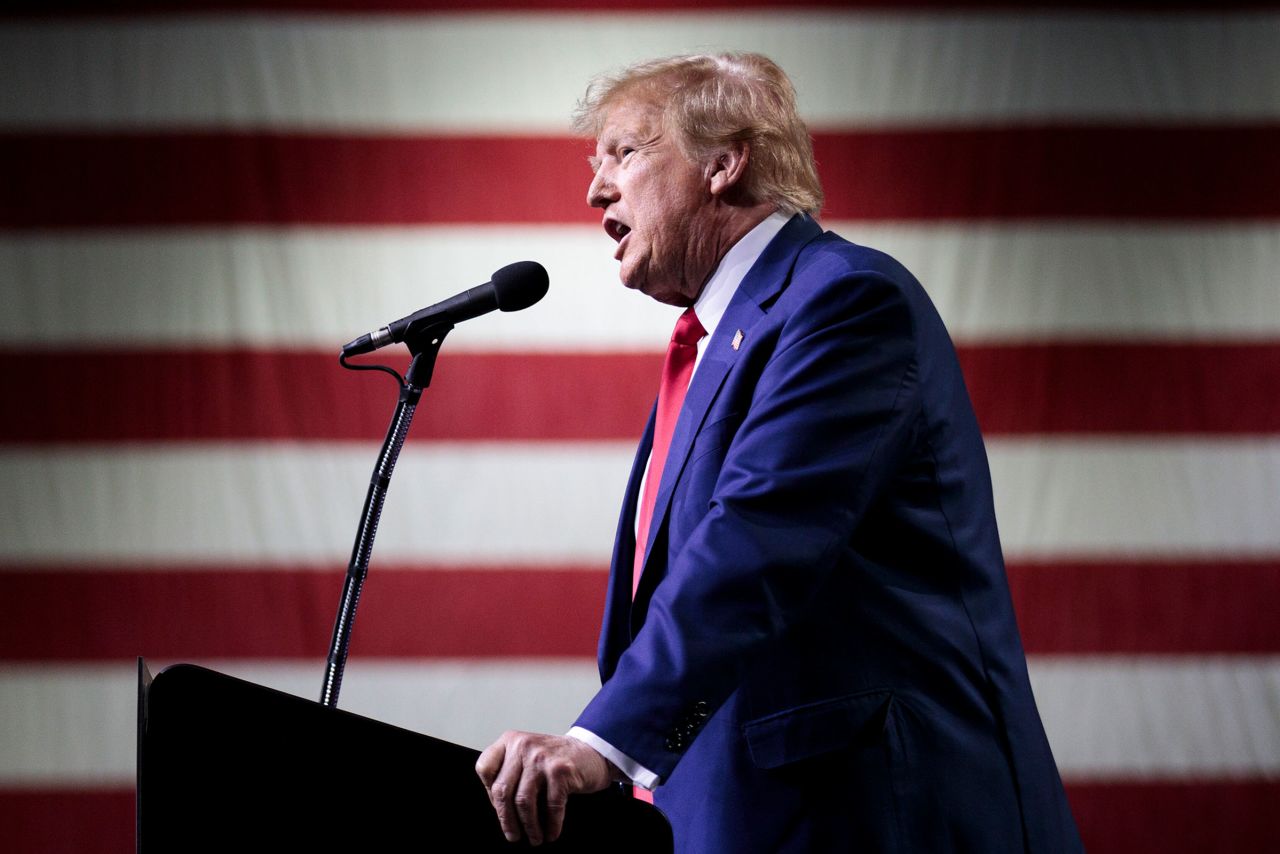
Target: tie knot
688 330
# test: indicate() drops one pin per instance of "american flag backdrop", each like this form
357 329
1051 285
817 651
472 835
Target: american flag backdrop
200 202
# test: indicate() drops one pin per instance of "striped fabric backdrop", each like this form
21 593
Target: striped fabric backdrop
199 202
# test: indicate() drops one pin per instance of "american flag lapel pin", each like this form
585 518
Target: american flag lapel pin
737 339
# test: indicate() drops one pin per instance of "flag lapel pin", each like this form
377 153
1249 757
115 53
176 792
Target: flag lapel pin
737 339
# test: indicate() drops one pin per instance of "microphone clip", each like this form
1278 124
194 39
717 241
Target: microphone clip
424 339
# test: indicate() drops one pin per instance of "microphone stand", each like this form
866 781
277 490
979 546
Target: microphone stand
424 344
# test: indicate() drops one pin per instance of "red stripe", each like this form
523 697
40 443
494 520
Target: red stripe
95 179
1124 388
68 821
195 178
68 614
1195 817
221 395
1148 607
228 395
1025 173
229 612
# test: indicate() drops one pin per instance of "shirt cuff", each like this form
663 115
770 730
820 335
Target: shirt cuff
635 772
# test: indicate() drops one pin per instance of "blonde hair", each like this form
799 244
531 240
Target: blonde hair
719 100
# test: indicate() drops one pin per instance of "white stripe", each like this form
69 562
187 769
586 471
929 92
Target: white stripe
322 287
539 503
503 73
1107 718
74 724
1117 718
255 502
1121 282
314 287
1136 497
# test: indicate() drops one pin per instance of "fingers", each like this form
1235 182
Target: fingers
557 798
546 780
528 793
530 777
505 770
490 762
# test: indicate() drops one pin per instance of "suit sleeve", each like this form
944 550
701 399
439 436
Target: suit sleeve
830 418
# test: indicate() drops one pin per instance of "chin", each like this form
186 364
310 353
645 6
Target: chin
678 300
666 295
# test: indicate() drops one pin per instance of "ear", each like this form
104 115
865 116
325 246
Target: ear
729 168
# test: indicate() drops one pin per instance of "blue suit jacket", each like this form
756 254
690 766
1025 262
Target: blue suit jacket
822 654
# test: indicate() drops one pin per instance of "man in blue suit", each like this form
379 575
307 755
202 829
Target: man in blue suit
814 649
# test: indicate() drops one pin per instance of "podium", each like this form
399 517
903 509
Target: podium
227 765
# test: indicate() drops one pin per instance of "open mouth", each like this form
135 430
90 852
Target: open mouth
616 230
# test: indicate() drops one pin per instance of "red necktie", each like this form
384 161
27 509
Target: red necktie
676 371
682 352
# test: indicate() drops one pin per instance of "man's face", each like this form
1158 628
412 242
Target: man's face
657 205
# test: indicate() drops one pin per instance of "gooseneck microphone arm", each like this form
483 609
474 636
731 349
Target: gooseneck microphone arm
416 379
513 287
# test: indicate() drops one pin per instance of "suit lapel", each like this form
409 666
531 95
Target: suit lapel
767 277
615 634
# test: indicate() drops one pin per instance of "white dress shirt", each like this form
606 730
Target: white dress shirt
709 308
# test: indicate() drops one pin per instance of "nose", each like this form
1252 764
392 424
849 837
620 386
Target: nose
602 192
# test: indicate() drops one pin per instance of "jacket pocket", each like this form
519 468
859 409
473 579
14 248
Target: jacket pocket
811 730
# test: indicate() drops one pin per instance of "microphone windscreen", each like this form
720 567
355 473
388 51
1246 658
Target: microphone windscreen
518 286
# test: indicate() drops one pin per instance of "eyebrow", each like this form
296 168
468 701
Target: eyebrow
611 143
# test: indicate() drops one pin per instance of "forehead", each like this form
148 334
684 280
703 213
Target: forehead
628 116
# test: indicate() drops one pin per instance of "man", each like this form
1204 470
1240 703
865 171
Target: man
813 649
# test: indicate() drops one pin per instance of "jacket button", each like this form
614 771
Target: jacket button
701 709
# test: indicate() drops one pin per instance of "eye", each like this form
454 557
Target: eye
625 151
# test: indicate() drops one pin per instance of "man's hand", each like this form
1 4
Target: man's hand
530 778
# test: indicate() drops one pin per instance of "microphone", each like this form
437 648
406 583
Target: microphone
514 287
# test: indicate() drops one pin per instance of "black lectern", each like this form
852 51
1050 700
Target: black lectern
225 765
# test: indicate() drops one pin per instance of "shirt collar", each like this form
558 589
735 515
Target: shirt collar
741 257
